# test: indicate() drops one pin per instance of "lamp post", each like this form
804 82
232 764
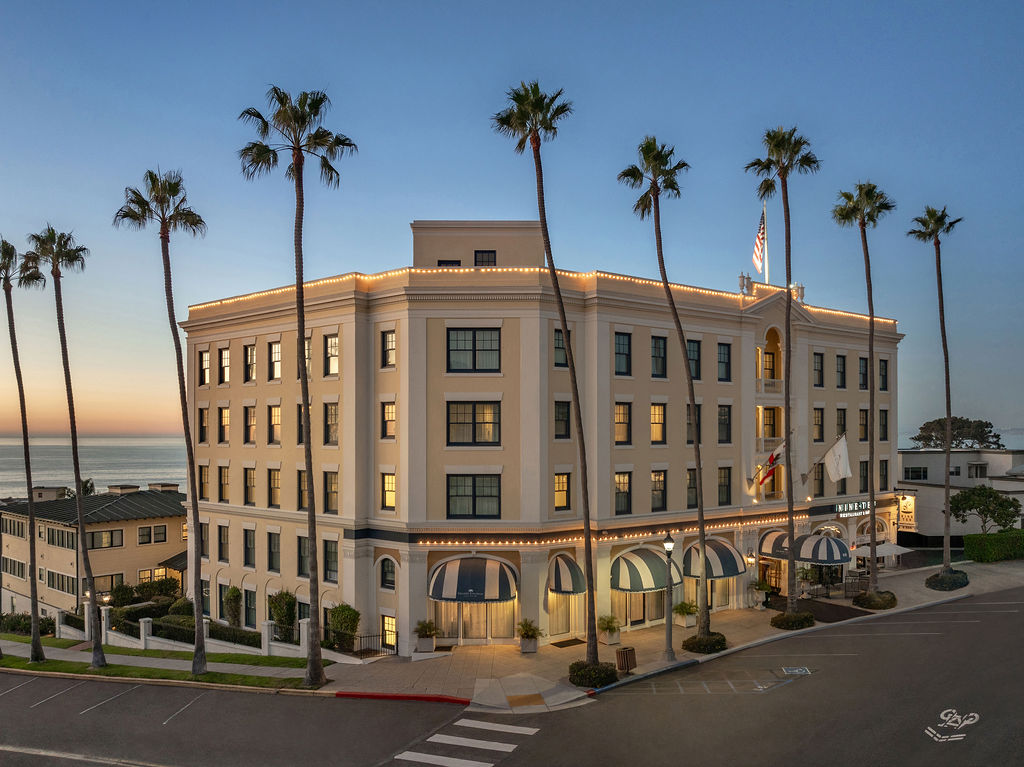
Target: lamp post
669 544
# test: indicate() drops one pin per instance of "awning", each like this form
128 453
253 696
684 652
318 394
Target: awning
565 576
178 562
473 579
774 544
822 550
881 550
723 560
642 570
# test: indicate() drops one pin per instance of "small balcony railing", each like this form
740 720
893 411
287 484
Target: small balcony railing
769 385
773 495
768 444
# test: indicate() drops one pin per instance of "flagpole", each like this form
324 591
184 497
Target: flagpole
803 477
764 212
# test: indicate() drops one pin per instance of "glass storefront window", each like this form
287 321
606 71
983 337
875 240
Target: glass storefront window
502 619
446 616
474 620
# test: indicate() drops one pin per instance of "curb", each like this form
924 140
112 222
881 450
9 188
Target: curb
896 573
423 698
158 682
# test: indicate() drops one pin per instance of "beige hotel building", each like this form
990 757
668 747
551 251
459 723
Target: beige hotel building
445 459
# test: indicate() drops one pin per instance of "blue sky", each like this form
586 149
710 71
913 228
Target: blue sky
922 98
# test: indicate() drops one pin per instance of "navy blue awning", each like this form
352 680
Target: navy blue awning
565 576
473 579
774 544
642 570
723 560
822 550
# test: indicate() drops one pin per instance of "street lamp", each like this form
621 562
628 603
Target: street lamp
669 544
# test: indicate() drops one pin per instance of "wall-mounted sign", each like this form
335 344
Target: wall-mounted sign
853 508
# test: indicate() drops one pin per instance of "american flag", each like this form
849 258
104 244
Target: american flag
759 246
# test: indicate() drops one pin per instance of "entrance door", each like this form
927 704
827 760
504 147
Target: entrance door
388 631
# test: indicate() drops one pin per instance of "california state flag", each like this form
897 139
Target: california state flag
774 461
837 460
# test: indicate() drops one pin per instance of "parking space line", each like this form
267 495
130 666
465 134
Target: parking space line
115 697
804 655
909 623
970 612
881 634
18 685
76 757
184 707
66 689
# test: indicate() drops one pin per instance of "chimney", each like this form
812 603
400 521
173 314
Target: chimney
164 487
122 489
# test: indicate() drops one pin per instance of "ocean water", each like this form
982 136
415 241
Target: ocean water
107 460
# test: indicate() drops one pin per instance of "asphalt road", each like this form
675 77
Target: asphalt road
872 692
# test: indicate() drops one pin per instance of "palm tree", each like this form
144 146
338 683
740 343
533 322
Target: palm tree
60 252
532 116
933 223
296 127
12 268
786 152
163 202
658 171
863 207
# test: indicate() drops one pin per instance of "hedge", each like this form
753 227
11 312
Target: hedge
175 631
181 606
21 623
714 642
75 621
582 674
992 547
235 635
138 612
793 621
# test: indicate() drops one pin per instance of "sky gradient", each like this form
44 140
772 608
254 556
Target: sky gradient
921 98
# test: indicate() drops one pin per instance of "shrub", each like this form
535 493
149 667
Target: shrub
792 621
187 621
75 621
236 635
47 625
233 606
144 610
947 581
180 633
166 587
426 629
878 600
122 595
17 623
713 642
992 547
583 674
608 623
527 629
282 608
343 619
145 591
181 606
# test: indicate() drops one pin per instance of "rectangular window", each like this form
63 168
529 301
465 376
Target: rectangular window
863 426
308 346
561 360
474 350
883 375
724 424
250 608
330 492
204 539
249 482
104 539
387 491
204 483
387 574
331 355
725 362
203 425
222 543
657 423
659 357
330 423
65 539
818 434
841 486
864 468
273 424
623 354
659 498
159 533
223 486
725 486
223 425
222 593
388 350
298 424
274 552
690 427
883 475
768 360
623 492
819 480
274 488
623 423
249 424
387 420
818 374
915 473
840 371
977 470
249 548
449 262
474 495
562 492
862 373
485 258
204 368
331 561
302 494
302 556
224 366
205 585
474 423
840 421
693 354
883 425
15 527
60 582
13 567
691 488
562 429
274 361
249 353
145 535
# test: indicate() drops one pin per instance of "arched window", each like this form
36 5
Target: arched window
387 574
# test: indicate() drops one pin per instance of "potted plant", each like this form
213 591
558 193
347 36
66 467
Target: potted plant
426 633
608 626
529 632
765 587
686 614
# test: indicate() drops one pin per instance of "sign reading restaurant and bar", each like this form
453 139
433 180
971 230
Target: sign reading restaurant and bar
848 509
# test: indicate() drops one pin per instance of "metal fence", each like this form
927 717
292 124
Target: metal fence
360 645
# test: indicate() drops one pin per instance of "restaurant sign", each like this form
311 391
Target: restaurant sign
853 509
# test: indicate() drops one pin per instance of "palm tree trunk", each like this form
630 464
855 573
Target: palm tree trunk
787 369
588 554
947 559
314 658
199 652
873 566
98 658
703 611
36 653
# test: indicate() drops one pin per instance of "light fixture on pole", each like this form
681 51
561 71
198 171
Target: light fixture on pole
669 544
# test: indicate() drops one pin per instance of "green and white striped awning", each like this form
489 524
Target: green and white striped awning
723 560
565 576
642 570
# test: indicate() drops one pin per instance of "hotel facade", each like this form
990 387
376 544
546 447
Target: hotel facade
447 480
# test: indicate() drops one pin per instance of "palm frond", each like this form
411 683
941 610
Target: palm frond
328 173
8 259
70 254
644 205
29 275
766 189
257 158
632 177
531 113
254 117
136 211
933 223
184 219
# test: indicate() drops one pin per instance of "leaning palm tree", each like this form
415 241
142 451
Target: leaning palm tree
532 116
163 202
786 152
658 171
933 223
863 207
60 252
296 127
14 269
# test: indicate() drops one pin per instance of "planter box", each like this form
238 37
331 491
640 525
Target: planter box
687 621
608 637
426 644
527 645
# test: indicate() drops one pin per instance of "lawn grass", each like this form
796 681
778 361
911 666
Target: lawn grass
275 661
47 641
145 672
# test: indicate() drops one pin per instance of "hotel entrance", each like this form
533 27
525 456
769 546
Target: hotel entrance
473 600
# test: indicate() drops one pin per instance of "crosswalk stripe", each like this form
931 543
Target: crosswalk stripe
482 725
489 745
445 761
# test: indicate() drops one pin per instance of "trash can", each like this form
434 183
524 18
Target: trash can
625 659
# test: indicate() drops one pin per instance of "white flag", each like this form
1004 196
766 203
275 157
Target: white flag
837 460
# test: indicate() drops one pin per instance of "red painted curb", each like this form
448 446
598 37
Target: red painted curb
404 696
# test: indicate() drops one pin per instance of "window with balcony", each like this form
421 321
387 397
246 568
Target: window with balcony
274 361
724 424
658 423
659 357
818 370
725 362
693 355
562 428
331 354
623 423
623 354
623 492
690 430
768 430
474 350
330 423
563 492
840 371
474 496
818 432
659 497
768 366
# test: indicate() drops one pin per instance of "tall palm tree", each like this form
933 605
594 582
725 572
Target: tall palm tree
60 252
786 152
13 268
163 201
532 116
863 207
933 223
658 172
296 127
